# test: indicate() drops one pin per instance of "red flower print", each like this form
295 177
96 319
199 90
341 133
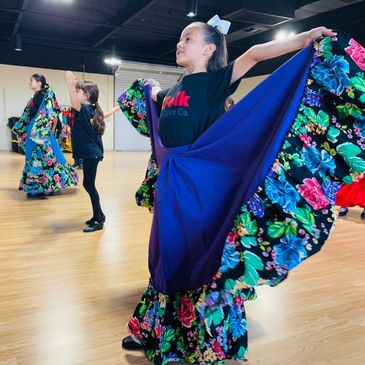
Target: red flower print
357 53
231 238
218 350
238 300
312 192
305 139
186 311
158 331
134 327
56 177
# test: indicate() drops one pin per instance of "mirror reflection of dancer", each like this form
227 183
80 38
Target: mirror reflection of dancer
193 308
46 169
87 144
352 195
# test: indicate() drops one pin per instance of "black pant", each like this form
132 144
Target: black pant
90 168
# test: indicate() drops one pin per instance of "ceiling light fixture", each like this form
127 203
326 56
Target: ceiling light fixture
283 34
18 43
112 61
191 8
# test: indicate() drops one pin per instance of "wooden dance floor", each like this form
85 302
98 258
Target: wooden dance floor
66 296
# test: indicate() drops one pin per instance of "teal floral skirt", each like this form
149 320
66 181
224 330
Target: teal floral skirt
46 169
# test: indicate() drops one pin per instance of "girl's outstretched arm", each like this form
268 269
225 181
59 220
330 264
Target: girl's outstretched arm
71 86
265 51
112 111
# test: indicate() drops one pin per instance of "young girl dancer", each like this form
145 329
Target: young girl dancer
240 198
46 169
86 139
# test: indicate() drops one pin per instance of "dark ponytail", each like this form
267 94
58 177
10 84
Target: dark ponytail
40 78
91 91
99 123
211 34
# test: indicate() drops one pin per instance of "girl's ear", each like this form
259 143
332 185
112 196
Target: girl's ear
209 49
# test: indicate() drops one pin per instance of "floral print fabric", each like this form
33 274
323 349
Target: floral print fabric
284 222
45 169
132 104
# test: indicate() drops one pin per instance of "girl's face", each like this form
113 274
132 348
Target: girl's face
34 84
81 96
191 51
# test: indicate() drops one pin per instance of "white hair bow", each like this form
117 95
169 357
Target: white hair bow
220 24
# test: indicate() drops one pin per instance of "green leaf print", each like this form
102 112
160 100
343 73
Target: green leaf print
333 133
252 264
299 121
192 359
348 110
306 217
217 316
326 47
362 98
358 83
248 241
350 92
229 284
348 149
357 164
150 354
165 347
348 179
241 352
322 119
328 148
297 159
290 229
276 229
263 244
169 334
251 226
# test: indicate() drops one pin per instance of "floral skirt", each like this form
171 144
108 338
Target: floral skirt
46 169
203 326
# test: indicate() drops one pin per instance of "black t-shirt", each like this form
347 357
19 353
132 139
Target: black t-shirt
191 106
86 143
37 101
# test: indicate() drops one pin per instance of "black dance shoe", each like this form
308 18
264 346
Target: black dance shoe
36 196
93 219
362 215
93 227
129 344
343 211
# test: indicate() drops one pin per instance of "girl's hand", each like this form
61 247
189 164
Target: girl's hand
70 77
151 82
318 32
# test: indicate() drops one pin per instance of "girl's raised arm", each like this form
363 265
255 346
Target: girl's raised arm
71 86
265 51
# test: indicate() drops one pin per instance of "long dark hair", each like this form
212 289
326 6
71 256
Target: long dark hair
211 34
40 78
91 91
